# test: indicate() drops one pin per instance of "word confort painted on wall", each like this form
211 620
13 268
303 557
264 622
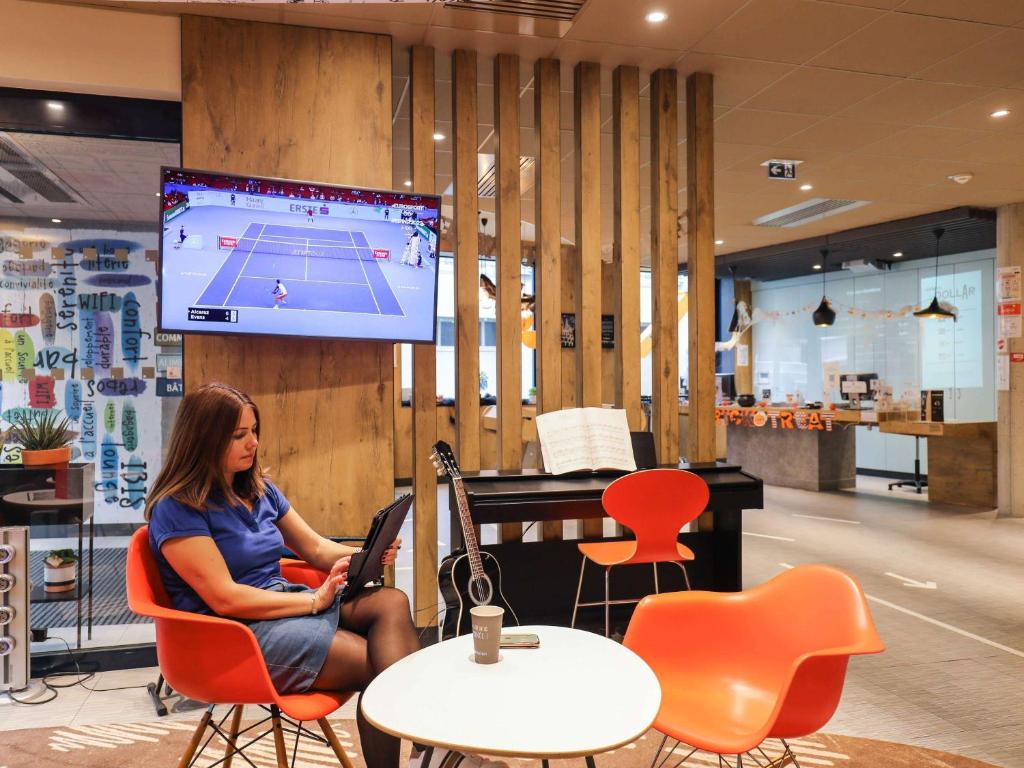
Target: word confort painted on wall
775 419
77 334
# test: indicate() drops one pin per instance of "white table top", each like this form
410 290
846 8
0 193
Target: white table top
578 694
42 498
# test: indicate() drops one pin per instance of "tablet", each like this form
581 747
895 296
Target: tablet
365 567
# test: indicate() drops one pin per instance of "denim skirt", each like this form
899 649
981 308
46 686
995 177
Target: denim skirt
295 648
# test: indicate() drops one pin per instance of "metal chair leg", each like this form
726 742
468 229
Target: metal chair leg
332 739
579 589
193 744
279 747
607 604
655 566
231 740
657 752
686 576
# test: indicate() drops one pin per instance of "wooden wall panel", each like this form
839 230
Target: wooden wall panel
424 358
700 250
1010 403
569 371
588 233
248 91
467 268
509 271
548 220
626 271
664 264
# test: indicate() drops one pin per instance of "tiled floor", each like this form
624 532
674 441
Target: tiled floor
952 677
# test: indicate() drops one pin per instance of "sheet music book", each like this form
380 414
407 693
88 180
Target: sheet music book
577 439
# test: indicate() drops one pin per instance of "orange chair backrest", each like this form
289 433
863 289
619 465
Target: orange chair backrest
146 593
655 504
790 637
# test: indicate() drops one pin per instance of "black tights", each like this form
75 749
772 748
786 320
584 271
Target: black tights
375 631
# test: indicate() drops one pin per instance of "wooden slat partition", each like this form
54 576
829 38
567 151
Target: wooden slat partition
248 91
424 358
664 264
626 185
547 254
467 268
509 271
700 255
569 372
745 373
588 235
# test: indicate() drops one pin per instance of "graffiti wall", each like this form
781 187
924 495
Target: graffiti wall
78 334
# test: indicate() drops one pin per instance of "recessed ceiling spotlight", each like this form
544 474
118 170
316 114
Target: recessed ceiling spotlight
817 266
806 187
656 17
719 242
897 254
960 178
55 105
439 137
1000 113
408 182
55 221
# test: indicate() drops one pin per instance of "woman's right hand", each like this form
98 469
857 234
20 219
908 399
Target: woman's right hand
324 595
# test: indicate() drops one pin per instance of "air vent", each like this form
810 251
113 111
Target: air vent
810 210
487 184
556 10
27 172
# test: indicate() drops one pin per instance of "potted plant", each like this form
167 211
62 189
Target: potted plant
44 437
59 570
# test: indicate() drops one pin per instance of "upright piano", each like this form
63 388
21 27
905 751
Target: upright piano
539 578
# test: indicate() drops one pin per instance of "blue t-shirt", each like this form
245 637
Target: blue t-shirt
250 542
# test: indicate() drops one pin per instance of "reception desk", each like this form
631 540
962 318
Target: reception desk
961 459
811 449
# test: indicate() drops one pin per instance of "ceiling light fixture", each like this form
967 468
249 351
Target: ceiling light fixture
1000 113
816 266
806 187
439 137
55 221
719 242
960 178
408 182
824 315
656 17
55 105
936 311
897 254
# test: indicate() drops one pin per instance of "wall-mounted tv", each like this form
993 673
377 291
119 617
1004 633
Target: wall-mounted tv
253 255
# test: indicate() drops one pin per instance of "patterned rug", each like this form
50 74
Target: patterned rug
160 743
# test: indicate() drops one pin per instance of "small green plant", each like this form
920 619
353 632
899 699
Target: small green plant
36 431
56 558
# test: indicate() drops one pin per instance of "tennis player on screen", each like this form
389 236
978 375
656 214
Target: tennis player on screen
280 294
411 255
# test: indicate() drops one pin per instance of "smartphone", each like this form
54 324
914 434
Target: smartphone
519 641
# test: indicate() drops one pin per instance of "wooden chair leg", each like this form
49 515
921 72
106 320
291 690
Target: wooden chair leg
282 752
197 737
236 722
332 739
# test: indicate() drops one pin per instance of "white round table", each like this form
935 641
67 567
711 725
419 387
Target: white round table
577 695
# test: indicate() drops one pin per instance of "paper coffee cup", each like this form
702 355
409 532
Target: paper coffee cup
486 621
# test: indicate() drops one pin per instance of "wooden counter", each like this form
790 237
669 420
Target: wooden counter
961 459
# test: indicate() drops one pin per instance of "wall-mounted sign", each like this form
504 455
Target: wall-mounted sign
607 331
820 421
1003 373
1009 319
568 330
1008 284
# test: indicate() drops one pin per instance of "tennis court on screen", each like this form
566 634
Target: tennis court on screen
326 270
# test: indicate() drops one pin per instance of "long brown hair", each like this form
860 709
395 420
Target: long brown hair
193 469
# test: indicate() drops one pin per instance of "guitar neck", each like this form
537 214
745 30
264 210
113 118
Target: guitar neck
468 531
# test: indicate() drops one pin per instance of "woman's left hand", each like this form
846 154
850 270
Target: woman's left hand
391 553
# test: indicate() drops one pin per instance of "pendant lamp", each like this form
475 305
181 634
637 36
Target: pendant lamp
824 315
936 311
734 324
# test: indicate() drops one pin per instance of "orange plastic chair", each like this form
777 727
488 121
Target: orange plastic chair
738 668
218 661
655 504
